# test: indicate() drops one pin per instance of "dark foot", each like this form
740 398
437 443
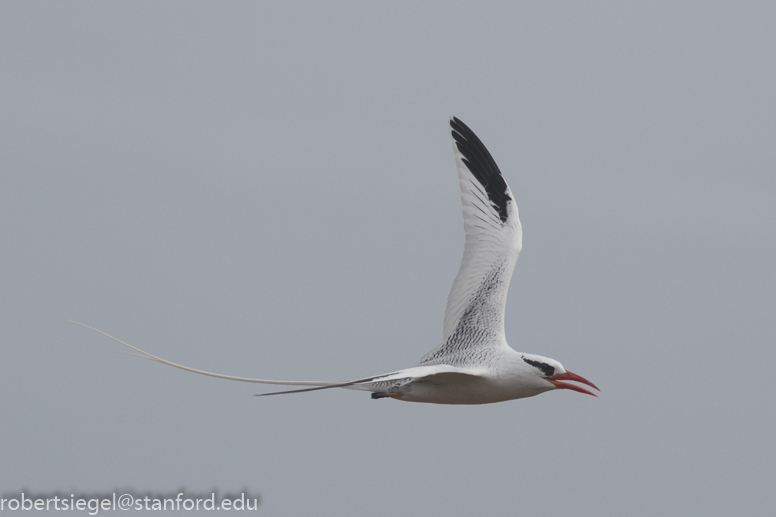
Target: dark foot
393 395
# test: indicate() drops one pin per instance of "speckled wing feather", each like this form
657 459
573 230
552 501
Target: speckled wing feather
474 318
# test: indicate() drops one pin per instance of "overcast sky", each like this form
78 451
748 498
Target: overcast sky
269 190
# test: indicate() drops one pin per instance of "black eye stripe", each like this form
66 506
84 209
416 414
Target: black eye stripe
548 370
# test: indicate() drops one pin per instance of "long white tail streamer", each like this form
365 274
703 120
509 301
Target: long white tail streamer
152 357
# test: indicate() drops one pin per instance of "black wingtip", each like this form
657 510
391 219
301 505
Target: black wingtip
478 160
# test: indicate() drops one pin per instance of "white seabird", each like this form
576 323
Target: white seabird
474 364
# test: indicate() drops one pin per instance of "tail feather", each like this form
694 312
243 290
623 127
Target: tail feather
361 384
365 384
146 355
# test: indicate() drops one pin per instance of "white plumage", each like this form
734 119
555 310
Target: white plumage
474 364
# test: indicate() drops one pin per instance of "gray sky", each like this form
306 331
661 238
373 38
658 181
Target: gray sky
269 190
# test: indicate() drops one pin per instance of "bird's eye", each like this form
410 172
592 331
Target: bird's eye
546 369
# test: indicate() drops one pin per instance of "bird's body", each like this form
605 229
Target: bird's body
503 376
474 364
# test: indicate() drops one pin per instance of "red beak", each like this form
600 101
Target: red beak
568 376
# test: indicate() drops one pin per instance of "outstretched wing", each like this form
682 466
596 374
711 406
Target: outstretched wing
474 317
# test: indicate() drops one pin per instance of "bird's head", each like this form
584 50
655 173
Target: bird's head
553 372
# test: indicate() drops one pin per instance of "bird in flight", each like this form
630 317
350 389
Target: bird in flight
474 364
